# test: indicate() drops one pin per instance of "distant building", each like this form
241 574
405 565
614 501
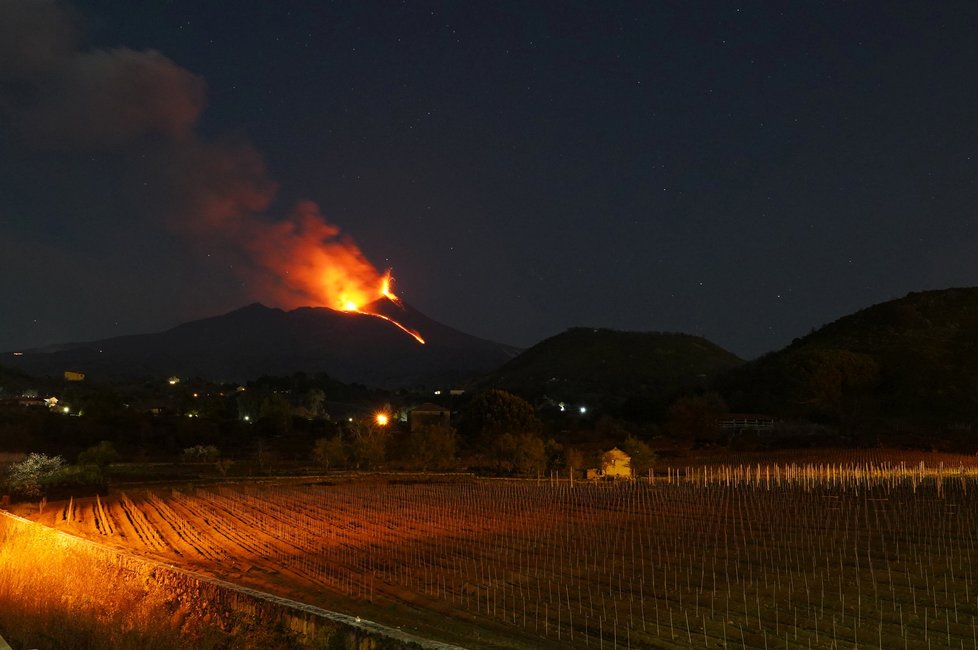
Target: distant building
615 464
74 375
429 414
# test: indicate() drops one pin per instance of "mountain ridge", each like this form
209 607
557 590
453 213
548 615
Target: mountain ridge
913 358
257 340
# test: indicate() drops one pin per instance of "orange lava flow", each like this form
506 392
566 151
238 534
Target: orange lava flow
350 305
407 330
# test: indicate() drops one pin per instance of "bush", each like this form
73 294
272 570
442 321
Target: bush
524 454
27 478
330 452
74 481
431 447
643 458
201 454
99 455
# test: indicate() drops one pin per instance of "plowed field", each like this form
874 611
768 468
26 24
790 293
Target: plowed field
734 561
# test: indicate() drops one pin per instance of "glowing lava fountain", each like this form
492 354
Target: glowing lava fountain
356 304
313 264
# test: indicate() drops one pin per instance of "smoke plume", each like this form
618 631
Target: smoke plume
58 95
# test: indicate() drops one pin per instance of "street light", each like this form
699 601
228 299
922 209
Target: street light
382 419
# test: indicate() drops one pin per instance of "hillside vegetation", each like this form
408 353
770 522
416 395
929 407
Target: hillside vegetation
629 372
13 381
910 361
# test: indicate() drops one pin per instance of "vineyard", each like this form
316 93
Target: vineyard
859 555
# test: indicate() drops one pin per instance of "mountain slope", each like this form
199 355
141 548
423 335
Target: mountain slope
612 366
258 340
915 357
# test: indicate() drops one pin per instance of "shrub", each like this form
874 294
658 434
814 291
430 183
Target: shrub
201 454
27 477
99 455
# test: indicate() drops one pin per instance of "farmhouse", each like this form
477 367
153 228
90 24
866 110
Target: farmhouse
614 464
429 414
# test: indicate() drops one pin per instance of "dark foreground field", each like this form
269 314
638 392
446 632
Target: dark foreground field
873 552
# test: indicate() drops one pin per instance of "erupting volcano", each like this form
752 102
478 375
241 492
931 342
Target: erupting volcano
385 293
312 264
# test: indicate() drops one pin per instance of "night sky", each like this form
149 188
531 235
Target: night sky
741 172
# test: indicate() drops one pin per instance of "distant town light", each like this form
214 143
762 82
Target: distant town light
437 392
583 410
66 410
173 381
247 418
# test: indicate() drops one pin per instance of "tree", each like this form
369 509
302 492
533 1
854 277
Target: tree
496 412
275 415
525 453
27 476
431 446
835 380
531 455
315 399
223 465
694 416
573 459
100 455
642 455
369 446
330 452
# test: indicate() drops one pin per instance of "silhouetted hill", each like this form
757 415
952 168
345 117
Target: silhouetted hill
13 381
617 369
914 358
258 340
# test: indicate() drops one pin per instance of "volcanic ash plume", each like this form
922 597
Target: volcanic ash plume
314 263
143 108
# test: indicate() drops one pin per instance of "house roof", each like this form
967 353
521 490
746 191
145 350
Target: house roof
428 407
